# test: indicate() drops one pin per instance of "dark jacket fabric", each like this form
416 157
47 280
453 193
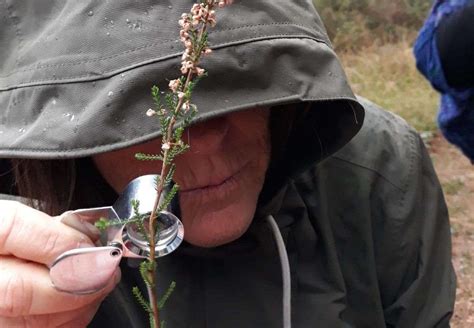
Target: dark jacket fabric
356 200
368 240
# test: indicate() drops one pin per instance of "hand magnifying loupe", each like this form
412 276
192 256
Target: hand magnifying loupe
87 270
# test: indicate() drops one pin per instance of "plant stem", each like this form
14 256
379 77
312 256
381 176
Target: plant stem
167 139
152 294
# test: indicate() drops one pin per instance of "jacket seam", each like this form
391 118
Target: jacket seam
108 74
161 43
413 150
369 169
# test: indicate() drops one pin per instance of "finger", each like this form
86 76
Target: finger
27 290
76 318
33 235
74 221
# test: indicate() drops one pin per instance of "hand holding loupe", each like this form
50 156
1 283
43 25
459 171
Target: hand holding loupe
86 270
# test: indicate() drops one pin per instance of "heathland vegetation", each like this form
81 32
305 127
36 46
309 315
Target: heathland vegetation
374 39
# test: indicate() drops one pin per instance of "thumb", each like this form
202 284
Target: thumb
85 270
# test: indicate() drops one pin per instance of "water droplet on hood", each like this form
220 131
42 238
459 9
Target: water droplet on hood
137 25
21 130
122 75
69 116
170 7
90 13
110 94
54 101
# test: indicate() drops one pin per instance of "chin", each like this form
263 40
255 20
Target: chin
215 228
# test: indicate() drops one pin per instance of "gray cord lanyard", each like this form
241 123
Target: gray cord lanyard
87 270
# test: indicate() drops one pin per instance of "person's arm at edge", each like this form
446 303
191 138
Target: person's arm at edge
455 44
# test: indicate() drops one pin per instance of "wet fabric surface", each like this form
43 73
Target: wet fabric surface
59 86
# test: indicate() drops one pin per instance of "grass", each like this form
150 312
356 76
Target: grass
453 187
387 75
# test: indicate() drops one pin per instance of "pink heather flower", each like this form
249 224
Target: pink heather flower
207 51
183 34
186 65
186 106
150 112
166 146
195 8
223 3
180 95
174 85
200 71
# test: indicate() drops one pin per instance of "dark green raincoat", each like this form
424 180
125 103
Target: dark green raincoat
363 222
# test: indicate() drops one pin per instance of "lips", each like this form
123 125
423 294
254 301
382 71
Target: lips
218 192
215 182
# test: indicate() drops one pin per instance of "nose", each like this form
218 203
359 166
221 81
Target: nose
207 137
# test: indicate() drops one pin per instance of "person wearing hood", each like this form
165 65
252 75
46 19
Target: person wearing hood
302 205
444 52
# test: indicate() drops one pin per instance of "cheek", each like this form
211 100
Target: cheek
120 167
220 221
207 227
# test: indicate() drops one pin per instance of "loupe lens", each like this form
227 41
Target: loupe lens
168 236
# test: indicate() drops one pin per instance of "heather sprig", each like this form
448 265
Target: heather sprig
174 113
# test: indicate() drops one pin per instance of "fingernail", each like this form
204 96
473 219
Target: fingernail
72 220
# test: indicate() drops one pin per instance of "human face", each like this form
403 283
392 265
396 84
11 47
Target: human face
221 176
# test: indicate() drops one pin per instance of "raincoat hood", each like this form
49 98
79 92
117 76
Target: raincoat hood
75 76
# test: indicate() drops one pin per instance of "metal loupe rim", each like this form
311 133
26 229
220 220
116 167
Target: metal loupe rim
160 249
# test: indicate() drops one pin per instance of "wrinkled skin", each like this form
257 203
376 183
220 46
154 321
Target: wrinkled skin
221 175
221 178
